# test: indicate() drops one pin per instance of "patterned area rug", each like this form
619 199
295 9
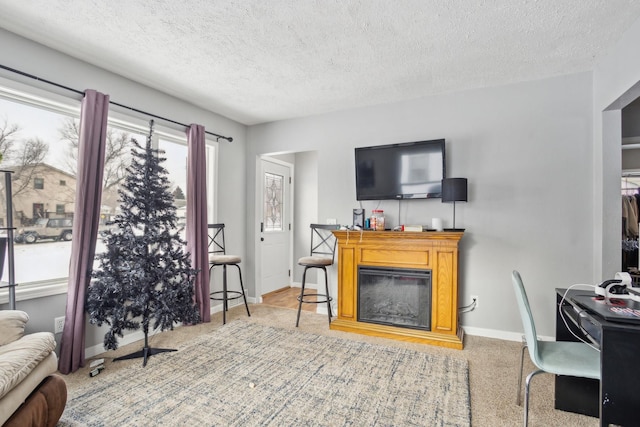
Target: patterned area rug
245 374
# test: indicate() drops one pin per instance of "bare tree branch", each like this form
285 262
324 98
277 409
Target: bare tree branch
8 134
116 158
117 152
20 157
70 133
34 152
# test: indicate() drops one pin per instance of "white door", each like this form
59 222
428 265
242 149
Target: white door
275 226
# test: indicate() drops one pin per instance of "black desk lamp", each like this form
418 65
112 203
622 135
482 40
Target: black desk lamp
454 190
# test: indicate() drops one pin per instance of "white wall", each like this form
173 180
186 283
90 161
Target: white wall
45 63
306 210
616 82
526 150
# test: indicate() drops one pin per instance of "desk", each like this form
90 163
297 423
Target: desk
615 399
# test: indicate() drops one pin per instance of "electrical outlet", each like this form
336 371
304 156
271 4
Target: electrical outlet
332 221
475 298
58 325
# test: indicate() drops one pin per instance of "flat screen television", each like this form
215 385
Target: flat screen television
410 170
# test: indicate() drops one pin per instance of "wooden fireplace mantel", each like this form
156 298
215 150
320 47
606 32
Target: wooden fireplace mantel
435 251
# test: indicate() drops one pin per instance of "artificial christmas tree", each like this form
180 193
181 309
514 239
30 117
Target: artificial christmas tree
144 276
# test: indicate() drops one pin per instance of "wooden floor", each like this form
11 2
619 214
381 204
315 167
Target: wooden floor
287 298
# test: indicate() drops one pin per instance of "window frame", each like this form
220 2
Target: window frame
119 118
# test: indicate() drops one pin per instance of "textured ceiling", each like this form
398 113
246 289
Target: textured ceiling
257 61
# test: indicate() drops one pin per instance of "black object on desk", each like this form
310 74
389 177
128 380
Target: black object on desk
616 397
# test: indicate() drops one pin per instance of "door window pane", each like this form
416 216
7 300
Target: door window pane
273 199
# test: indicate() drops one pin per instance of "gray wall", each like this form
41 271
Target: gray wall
631 120
36 59
631 129
544 177
41 313
631 159
526 150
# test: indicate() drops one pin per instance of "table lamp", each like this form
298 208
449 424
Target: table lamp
454 190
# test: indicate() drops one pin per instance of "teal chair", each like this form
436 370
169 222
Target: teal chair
575 359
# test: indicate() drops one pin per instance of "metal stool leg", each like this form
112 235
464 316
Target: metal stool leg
210 276
326 287
225 306
244 296
304 278
226 292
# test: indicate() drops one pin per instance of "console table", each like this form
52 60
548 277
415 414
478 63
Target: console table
435 251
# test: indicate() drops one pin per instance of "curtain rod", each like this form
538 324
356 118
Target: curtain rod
79 92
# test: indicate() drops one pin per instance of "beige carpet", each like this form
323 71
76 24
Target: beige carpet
492 367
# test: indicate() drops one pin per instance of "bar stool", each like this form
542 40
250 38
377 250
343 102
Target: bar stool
323 248
218 256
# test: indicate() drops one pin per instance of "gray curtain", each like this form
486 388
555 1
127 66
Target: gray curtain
196 229
91 153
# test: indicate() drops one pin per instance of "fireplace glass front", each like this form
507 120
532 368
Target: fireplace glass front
395 296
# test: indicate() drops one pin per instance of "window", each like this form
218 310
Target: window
32 126
44 188
38 212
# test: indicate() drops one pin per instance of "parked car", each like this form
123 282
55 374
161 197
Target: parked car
45 228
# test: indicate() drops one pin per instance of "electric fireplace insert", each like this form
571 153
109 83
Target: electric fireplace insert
395 296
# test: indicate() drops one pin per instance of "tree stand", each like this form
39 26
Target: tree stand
146 351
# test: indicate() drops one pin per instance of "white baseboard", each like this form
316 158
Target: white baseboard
468 330
217 308
127 339
501 335
321 309
92 351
